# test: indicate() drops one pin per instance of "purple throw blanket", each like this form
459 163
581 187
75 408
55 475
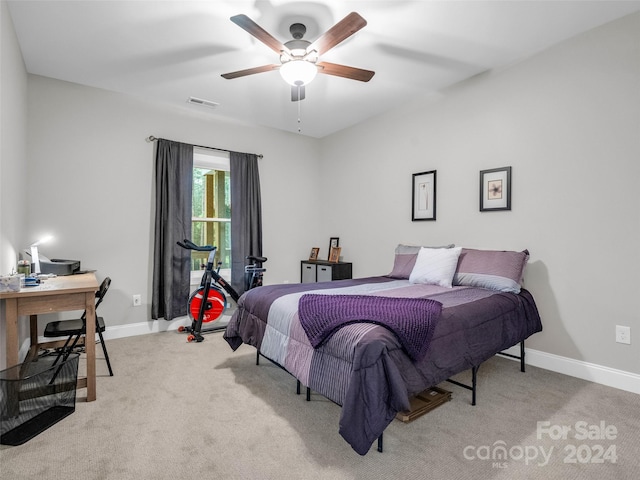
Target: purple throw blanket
413 320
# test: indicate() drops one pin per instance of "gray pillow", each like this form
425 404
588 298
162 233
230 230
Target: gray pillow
493 269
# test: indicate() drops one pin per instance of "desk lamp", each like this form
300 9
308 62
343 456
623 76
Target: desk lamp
35 259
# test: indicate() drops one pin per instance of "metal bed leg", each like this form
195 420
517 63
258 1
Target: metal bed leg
380 442
298 385
474 377
521 357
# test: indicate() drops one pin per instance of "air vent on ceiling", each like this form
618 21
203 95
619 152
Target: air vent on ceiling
202 102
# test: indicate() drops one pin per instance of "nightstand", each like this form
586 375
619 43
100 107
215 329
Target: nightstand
312 271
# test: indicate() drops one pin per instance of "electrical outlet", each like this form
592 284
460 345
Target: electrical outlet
623 334
137 300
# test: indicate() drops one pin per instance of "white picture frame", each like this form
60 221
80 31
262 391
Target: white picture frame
424 196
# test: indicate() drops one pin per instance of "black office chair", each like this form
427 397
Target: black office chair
76 328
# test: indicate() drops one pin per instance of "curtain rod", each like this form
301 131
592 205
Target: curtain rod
151 138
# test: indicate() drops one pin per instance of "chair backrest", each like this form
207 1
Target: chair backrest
102 291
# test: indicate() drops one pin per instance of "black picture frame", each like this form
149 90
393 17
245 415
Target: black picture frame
423 189
333 242
495 189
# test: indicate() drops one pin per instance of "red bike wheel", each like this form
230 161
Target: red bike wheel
215 305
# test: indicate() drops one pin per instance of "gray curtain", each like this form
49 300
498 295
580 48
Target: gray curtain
246 214
171 263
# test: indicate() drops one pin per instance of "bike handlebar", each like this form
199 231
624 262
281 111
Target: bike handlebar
189 245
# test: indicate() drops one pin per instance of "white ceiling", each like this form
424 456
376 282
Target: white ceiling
168 51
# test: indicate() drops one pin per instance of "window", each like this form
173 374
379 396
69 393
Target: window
211 209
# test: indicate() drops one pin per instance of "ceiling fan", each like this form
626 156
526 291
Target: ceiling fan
299 58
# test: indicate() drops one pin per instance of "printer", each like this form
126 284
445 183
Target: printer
58 266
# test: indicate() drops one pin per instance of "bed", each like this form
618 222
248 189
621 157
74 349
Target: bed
367 365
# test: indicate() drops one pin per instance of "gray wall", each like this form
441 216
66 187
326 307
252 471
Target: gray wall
13 153
93 169
568 122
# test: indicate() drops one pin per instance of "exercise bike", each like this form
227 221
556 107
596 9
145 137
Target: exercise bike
208 302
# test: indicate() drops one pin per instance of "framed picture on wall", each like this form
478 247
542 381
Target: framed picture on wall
424 196
333 242
314 253
495 189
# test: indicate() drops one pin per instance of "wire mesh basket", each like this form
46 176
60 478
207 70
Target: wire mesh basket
36 395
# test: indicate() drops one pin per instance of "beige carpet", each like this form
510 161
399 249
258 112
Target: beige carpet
175 410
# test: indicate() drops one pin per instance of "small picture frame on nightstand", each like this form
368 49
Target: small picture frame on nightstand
334 254
333 242
314 253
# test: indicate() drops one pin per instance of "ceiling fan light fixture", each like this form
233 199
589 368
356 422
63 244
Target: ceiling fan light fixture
298 72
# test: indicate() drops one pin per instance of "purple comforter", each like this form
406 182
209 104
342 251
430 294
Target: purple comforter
363 366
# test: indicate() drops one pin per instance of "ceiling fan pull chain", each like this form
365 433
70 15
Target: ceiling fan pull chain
299 107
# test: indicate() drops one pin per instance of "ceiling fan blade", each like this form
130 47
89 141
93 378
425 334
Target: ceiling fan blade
260 33
297 93
250 71
339 32
344 71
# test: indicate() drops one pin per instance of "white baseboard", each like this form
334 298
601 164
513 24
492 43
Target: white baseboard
154 326
610 377
134 329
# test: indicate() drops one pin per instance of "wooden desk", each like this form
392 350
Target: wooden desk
73 292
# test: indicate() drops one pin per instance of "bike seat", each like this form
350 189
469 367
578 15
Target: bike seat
251 258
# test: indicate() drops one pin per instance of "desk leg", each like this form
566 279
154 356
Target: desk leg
11 332
33 330
33 333
90 346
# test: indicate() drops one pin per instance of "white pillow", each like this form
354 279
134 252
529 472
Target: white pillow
435 266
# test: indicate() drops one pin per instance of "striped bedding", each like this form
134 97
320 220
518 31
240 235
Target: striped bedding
363 367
